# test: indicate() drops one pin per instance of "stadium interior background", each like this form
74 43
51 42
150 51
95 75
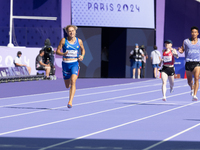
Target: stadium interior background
172 20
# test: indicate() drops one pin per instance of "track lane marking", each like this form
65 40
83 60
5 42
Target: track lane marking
91 114
82 89
88 94
76 90
121 125
171 137
90 102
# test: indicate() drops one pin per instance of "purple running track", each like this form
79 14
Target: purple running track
107 114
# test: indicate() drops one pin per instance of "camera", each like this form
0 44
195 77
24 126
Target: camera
48 55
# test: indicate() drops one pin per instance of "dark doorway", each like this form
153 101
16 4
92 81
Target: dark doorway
114 39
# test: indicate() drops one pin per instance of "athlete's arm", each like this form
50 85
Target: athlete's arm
181 49
82 49
161 60
60 46
175 54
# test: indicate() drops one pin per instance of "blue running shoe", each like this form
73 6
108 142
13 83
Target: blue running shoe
69 106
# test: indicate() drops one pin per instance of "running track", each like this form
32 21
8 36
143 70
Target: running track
107 114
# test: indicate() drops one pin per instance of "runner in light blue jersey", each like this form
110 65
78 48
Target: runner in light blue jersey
191 47
70 66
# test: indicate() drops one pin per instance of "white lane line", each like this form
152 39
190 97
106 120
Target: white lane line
88 94
171 137
90 102
85 103
83 89
76 90
114 127
133 101
82 116
40 101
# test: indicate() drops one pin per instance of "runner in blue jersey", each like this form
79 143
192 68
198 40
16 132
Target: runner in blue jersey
70 66
191 47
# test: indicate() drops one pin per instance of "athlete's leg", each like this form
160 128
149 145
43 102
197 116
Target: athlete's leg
196 72
164 77
73 88
171 82
67 83
189 79
73 78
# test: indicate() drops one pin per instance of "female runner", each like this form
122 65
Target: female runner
70 65
168 70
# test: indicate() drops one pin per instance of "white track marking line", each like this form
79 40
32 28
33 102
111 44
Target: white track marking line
82 103
32 95
91 114
90 102
132 101
171 137
114 127
40 101
88 94
67 90
80 89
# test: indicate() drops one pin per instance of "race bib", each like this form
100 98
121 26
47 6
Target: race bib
167 58
72 53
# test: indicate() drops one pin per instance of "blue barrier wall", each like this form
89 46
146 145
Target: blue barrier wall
180 66
31 33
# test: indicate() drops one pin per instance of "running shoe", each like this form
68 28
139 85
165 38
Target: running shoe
194 98
164 99
138 77
171 90
133 77
69 106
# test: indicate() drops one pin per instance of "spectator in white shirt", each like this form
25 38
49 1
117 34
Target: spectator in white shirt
18 62
155 60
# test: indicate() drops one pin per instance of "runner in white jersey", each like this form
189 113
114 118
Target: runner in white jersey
191 47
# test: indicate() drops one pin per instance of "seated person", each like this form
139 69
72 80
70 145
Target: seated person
40 65
18 62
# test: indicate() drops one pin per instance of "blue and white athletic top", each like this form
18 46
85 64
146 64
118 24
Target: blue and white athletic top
192 51
73 49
